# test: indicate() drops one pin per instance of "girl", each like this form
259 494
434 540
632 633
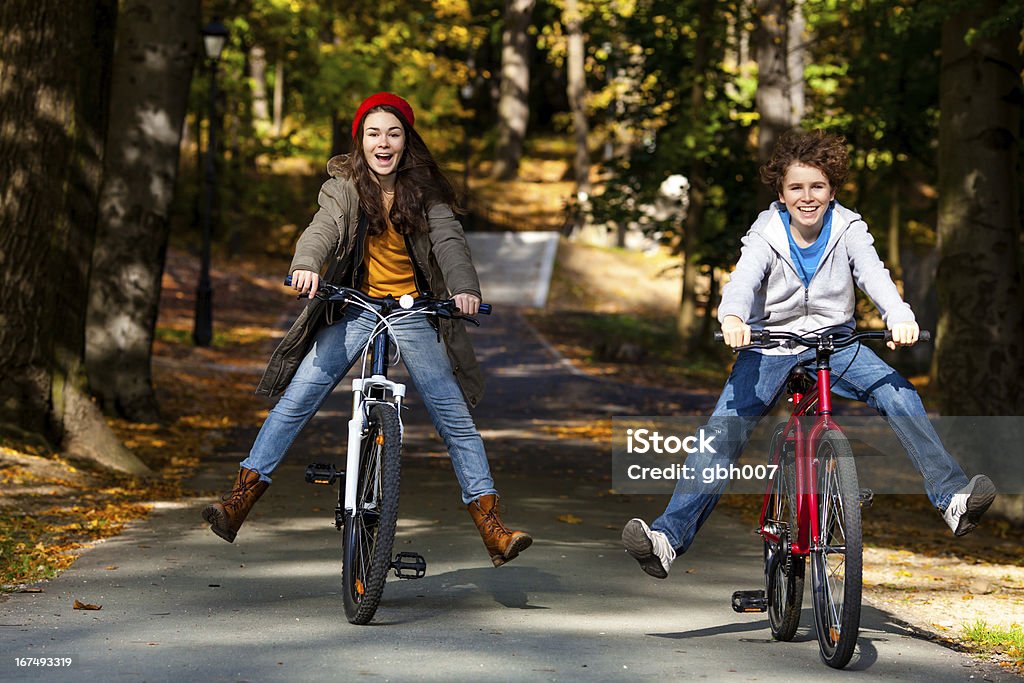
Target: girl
797 270
385 226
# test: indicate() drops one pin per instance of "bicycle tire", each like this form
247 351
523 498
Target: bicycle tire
783 571
370 529
837 562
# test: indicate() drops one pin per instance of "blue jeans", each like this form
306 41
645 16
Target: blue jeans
335 349
753 387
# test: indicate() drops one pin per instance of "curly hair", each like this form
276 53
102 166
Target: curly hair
419 183
824 151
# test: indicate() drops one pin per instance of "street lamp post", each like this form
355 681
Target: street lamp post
215 34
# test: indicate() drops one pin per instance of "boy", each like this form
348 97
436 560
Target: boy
797 270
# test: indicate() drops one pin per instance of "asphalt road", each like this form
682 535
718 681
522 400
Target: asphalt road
180 604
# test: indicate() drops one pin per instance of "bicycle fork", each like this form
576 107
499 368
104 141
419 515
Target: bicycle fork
357 425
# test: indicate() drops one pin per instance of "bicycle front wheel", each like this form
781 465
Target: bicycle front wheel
784 571
370 528
837 561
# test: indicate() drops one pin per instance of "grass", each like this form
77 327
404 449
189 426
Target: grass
986 638
599 340
40 536
21 562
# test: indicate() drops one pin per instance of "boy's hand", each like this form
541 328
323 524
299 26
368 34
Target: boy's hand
735 332
904 334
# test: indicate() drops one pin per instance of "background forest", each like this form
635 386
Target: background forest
103 115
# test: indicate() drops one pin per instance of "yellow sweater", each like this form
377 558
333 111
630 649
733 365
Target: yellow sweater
389 269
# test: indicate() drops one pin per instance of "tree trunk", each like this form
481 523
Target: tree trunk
258 81
157 46
278 127
773 98
577 91
514 103
708 319
981 318
687 323
796 55
55 61
893 260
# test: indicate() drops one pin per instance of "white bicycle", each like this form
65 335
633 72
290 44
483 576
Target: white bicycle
367 510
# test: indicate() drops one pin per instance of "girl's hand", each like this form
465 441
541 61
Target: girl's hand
468 304
735 331
904 334
305 281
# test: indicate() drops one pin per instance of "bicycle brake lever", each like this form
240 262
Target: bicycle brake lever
748 347
468 319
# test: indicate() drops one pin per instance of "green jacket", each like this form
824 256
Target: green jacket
328 244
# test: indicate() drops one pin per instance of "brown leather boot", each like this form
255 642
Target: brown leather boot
226 517
502 544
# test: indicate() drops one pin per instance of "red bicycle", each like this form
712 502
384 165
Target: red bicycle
812 507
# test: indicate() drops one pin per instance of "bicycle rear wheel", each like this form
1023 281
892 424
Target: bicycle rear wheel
783 571
370 529
837 562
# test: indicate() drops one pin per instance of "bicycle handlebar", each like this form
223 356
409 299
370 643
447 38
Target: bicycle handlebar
836 339
444 308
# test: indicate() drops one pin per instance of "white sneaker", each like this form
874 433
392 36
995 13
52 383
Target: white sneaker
650 548
969 504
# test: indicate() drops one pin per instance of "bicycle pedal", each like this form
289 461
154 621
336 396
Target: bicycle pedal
323 473
749 601
409 566
866 497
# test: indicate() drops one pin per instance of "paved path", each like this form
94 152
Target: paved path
179 604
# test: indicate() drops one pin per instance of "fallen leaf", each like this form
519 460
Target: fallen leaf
111 568
85 605
570 519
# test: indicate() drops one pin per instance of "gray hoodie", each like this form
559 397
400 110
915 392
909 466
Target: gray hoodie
765 289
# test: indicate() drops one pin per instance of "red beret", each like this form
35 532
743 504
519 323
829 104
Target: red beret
403 107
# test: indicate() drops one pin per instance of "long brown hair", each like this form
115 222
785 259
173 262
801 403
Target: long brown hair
419 183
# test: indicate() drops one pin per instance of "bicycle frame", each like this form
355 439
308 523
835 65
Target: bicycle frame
828 522
804 446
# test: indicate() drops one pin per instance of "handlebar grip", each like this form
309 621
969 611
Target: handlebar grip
923 336
485 309
756 337
288 281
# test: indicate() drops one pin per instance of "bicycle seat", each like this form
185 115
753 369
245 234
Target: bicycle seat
801 380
